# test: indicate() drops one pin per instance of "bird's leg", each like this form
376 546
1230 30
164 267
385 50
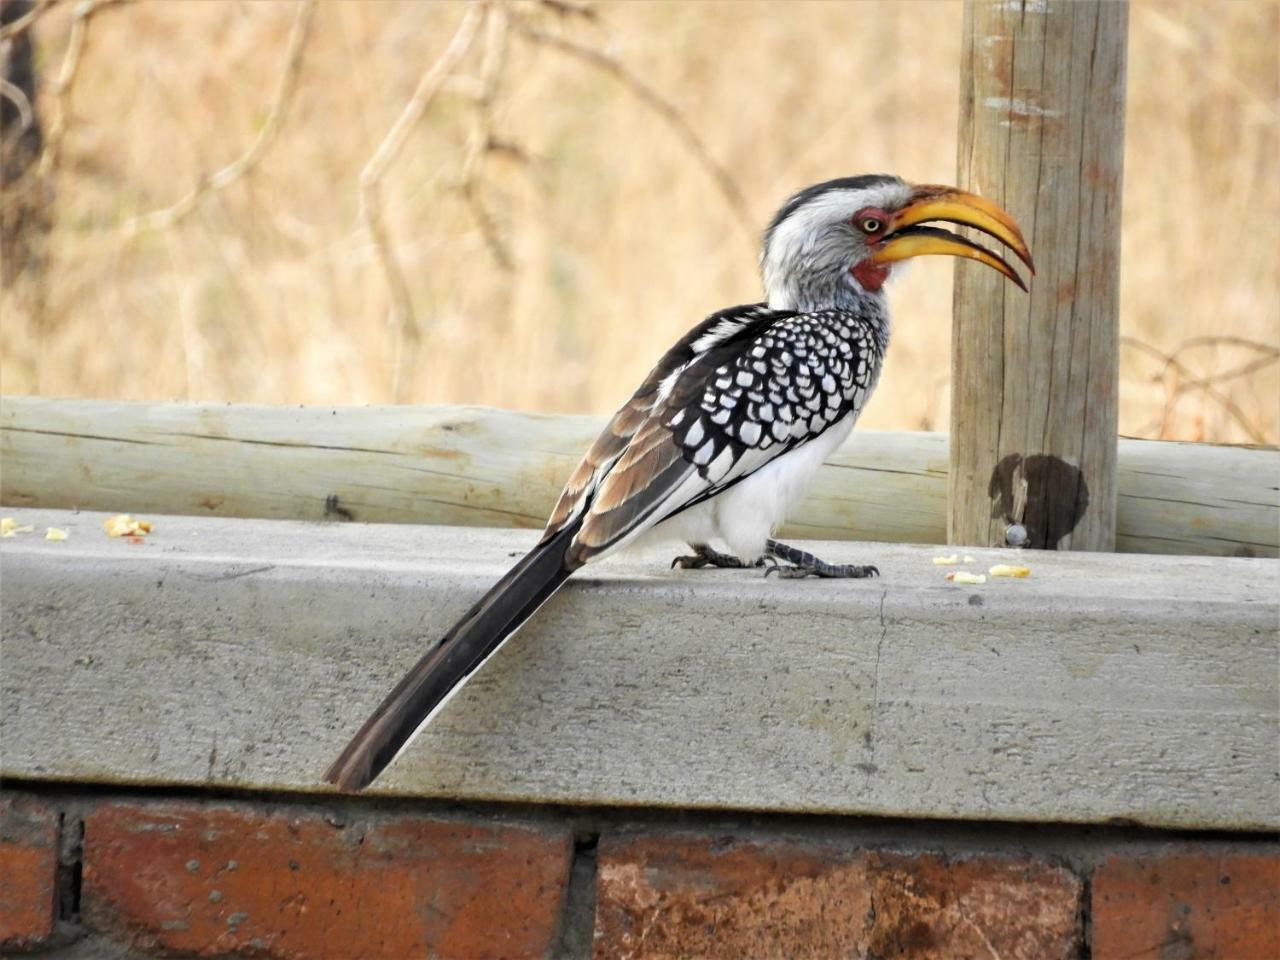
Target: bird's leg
807 565
704 556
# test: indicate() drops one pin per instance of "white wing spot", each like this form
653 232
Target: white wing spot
695 434
720 466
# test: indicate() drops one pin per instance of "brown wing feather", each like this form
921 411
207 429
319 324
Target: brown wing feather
637 460
652 451
606 448
622 427
632 490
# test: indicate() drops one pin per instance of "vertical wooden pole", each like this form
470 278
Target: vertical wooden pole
1035 378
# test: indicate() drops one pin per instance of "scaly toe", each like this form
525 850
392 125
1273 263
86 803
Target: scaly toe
786 572
796 573
850 571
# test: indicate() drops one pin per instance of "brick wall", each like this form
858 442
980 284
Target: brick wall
93 875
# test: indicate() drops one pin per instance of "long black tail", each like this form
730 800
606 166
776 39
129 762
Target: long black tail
498 614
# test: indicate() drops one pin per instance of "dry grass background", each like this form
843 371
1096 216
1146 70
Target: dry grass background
618 240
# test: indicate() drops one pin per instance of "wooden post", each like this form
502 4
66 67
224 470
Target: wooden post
1035 378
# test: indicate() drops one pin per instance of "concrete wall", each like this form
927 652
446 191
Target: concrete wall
662 764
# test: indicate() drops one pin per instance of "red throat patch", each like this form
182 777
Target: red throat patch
871 276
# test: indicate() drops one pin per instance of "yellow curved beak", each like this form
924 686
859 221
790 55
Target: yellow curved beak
906 238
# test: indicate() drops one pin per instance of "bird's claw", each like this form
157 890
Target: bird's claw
704 556
689 562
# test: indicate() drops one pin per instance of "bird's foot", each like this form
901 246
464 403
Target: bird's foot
801 564
704 556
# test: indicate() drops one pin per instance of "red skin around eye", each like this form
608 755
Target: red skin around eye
871 213
871 276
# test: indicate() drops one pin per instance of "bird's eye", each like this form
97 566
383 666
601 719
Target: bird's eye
870 225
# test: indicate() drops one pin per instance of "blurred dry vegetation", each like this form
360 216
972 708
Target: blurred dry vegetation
553 195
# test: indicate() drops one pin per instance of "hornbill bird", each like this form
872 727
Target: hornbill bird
725 432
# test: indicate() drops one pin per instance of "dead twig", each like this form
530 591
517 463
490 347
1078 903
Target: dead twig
11 31
168 216
65 81
660 105
1226 340
570 8
403 320
481 138
1188 381
13 93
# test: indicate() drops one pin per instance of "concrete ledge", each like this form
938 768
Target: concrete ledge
243 653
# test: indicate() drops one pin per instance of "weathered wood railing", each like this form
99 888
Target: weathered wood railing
482 467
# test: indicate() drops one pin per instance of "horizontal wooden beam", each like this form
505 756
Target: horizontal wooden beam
476 466
243 653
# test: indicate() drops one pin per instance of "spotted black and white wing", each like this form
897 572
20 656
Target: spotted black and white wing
746 386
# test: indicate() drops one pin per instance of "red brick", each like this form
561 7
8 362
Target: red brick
674 896
694 897
931 908
211 880
1210 906
28 871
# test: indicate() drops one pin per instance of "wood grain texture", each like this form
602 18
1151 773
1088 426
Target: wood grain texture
1035 377
474 466
243 654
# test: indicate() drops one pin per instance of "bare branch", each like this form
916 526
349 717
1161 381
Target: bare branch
16 96
570 8
403 319
660 105
168 216
65 81
11 31
1190 381
1224 340
481 137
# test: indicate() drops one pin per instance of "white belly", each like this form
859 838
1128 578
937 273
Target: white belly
745 516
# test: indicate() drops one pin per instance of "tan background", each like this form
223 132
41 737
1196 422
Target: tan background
619 240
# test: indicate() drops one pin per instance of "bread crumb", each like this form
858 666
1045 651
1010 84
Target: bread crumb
123 525
1005 570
